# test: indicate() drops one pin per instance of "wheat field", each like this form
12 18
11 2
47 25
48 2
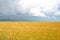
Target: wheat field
29 30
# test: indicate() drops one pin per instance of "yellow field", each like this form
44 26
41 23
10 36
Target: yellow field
29 30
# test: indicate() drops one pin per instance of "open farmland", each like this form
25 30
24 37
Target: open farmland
29 30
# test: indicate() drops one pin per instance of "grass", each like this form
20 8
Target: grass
29 30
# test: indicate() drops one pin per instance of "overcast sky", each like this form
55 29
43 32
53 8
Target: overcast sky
30 10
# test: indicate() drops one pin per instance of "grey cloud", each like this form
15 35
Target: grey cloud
7 7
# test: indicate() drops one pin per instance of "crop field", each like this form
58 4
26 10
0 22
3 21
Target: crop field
29 30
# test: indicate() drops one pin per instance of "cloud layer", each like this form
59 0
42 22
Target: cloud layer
42 8
38 7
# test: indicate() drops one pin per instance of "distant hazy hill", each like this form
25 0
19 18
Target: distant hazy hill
27 18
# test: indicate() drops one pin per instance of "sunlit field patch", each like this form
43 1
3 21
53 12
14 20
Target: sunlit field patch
29 30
